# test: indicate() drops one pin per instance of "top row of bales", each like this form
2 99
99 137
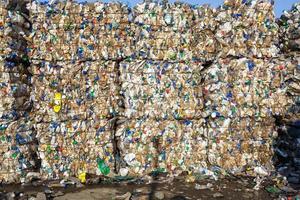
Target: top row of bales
160 31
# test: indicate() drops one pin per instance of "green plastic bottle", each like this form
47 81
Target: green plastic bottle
104 169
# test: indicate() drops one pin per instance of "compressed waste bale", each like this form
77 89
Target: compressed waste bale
15 92
247 28
161 90
172 146
14 29
74 90
185 149
204 45
18 152
79 31
13 61
241 145
240 99
73 147
162 31
286 79
4 18
245 86
252 81
289 29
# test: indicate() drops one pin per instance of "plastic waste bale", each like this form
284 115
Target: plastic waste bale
246 86
4 19
162 31
18 152
242 145
289 29
172 146
293 80
204 45
252 86
15 92
14 29
17 135
14 78
247 28
285 81
185 149
241 97
73 147
161 90
74 90
73 103
79 31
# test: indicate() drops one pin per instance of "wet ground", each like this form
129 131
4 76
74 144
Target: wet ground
161 188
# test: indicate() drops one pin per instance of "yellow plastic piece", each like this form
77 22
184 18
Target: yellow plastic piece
57 102
82 177
260 18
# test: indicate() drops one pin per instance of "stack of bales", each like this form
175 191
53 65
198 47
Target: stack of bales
240 98
239 106
287 75
74 52
168 87
289 63
17 149
162 127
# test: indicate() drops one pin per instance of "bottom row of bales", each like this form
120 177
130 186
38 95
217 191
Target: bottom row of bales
132 118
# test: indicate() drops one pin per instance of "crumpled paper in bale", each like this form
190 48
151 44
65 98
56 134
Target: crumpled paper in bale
173 146
289 29
18 153
74 90
79 31
73 147
247 28
161 90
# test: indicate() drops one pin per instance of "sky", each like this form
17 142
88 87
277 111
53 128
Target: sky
280 5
